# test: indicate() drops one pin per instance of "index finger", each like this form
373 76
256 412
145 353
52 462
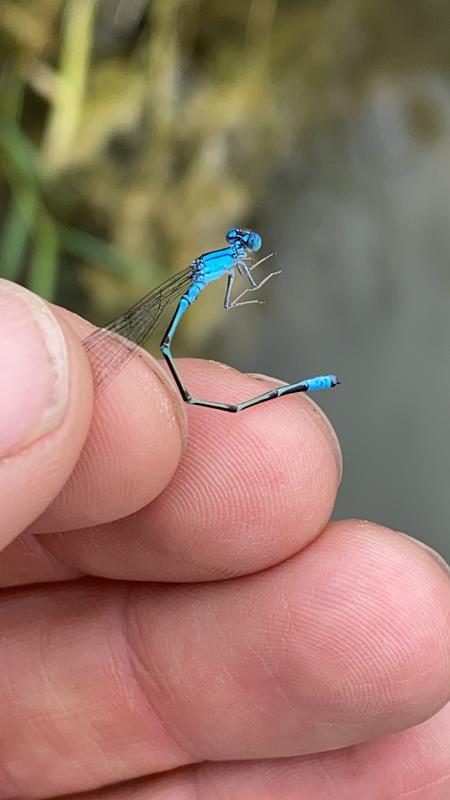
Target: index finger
251 490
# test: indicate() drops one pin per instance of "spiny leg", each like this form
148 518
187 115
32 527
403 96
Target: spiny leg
235 303
309 385
229 303
230 281
246 272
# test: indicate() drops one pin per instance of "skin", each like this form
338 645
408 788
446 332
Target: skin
180 619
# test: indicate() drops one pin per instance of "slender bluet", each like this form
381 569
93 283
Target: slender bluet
111 347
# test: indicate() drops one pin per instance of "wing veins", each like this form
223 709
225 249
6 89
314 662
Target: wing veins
110 348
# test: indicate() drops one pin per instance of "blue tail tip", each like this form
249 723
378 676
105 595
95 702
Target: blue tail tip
321 382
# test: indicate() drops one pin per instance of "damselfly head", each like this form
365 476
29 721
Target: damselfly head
249 239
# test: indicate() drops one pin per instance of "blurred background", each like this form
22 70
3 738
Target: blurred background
133 133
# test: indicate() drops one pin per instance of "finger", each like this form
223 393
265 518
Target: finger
410 764
250 491
324 651
133 448
45 407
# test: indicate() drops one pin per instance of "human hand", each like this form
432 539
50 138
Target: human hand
191 621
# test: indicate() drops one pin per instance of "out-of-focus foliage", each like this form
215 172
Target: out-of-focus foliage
132 133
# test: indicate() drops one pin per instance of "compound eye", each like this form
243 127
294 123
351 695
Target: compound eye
254 241
232 235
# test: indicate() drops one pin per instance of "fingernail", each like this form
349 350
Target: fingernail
34 376
323 421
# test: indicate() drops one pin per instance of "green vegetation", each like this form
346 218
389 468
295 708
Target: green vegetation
133 133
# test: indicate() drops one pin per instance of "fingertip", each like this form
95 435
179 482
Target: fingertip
322 419
45 407
436 558
384 614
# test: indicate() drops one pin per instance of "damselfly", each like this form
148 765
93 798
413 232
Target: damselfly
110 348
